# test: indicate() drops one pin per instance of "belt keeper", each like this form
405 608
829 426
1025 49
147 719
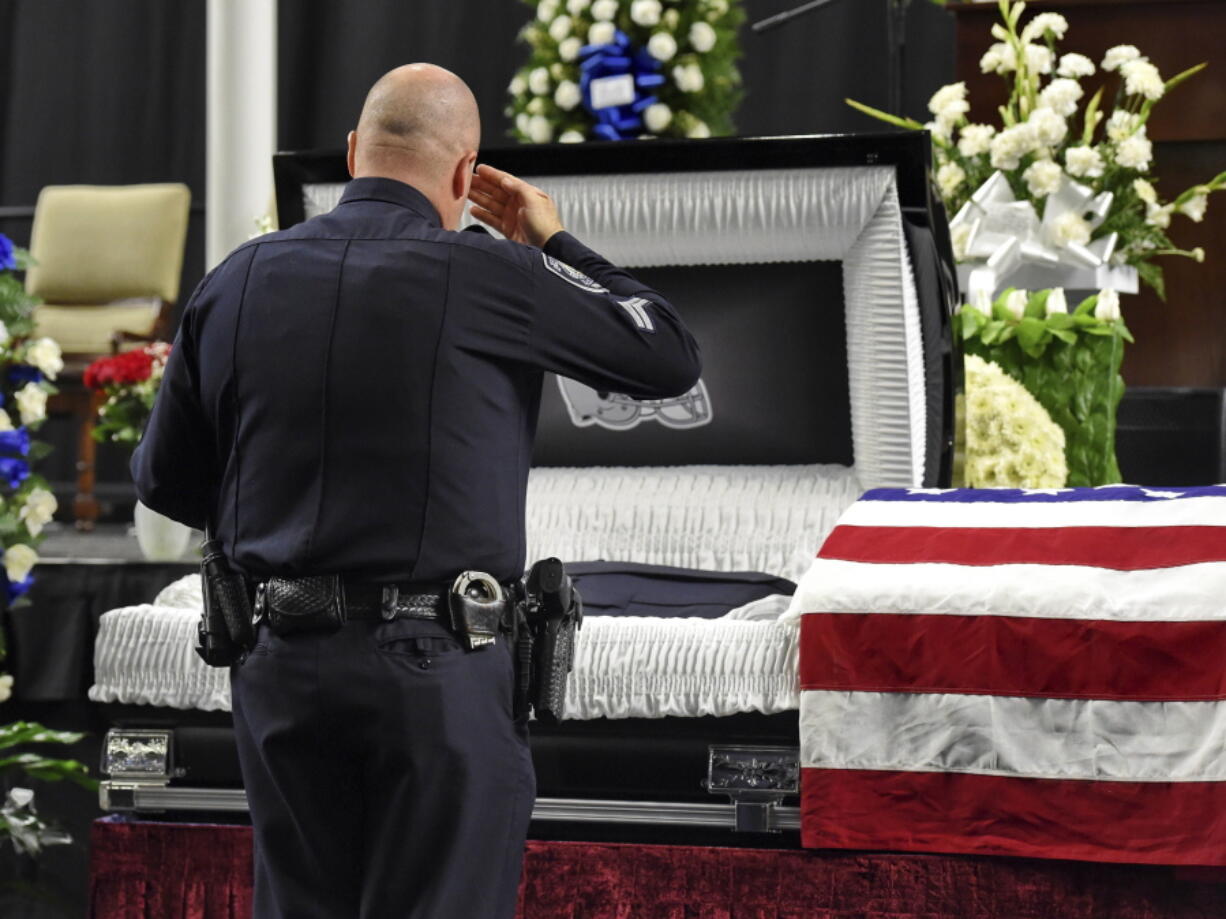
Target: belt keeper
391 596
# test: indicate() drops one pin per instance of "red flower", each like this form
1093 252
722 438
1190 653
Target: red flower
124 369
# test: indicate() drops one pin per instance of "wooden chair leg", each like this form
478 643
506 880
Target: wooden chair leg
85 506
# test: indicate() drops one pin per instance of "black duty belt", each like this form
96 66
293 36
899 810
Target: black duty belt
369 600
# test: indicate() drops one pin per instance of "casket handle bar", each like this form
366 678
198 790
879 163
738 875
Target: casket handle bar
140 767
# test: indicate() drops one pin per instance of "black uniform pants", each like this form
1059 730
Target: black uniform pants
385 775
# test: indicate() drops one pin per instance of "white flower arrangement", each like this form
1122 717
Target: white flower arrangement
1011 440
1054 143
691 45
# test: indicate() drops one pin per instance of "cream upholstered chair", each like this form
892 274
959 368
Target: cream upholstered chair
107 261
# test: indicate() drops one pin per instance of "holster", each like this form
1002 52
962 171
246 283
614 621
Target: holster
226 631
552 609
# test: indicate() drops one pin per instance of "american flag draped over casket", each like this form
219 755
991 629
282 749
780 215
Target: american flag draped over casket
1019 673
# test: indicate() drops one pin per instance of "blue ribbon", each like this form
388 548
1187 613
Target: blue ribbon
15 589
614 59
17 441
13 471
24 373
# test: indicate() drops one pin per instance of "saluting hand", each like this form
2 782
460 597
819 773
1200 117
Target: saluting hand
519 211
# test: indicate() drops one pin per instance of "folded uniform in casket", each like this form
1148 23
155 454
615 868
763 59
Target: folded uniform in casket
816 274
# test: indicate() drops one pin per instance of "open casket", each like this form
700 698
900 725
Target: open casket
817 276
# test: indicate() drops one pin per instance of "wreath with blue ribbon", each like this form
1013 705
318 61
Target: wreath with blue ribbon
619 58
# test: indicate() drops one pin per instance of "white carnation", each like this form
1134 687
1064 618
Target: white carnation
1135 152
661 46
6 423
547 10
557 71
1015 303
538 81
698 129
717 8
999 58
31 403
1120 54
1122 124
1009 146
1159 217
657 117
1050 128
1043 24
1070 227
604 10
949 103
1039 59
702 37
689 78
540 131
1195 207
18 560
559 28
45 354
672 19
1056 301
1108 306
38 509
1075 65
536 105
941 130
1145 191
950 178
1061 96
1083 162
567 95
517 85
1043 178
571 137
522 122
975 138
569 48
1141 78
575 7
646 12
601 33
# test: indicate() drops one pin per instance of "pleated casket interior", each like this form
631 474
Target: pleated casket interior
815 273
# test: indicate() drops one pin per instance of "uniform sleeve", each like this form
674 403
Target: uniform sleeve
596 323
172 465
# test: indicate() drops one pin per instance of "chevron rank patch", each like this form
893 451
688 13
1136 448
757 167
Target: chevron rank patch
636 307
573 275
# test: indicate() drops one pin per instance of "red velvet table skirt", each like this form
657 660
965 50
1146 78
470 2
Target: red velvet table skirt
192 871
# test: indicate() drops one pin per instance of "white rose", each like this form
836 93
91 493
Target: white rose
6 423
646 12
571 137
1043 178
1108 306
1195 207
1122 124
1145 191
517 85
1045 23
45 354
702 37
1083 162
689 78
6 686
1061 96
662 46
559 28
521 122
1120 54
1135 152
950 178
1000 58
1141 78
538 81
604 10
975 138
536 106
698 129
569 48
657 117
1039 59
18 560
38 510
1050 128
1159 217
540 131
1075 65
575 7
1056 302
31 403
547 10
567 95
601 33
1015 303
1070 228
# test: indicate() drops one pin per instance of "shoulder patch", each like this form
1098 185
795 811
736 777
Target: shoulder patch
572 275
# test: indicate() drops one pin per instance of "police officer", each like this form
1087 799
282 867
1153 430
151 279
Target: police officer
357 395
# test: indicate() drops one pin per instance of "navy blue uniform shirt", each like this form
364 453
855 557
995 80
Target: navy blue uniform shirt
359 393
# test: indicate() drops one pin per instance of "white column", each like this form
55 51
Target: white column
242 120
